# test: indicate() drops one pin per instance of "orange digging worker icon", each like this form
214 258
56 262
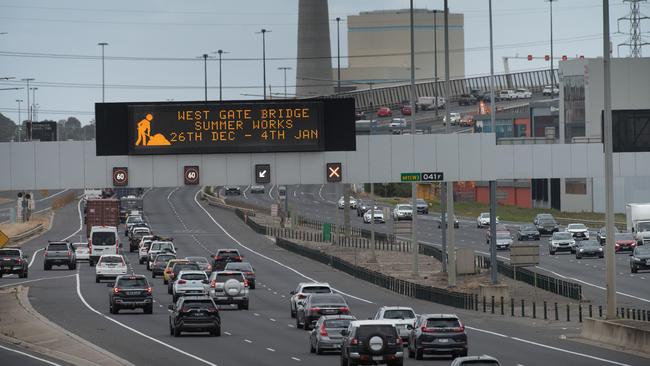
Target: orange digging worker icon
144 130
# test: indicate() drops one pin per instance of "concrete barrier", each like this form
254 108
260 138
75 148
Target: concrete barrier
627 334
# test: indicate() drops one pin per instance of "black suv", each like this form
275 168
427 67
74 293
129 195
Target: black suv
194 314
232 190
467 99
223 257
370 342
362 207
59 253
130 292
13 260
437 333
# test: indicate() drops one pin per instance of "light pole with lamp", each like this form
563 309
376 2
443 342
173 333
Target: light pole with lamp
338 57
550 3
285 68
103 44
29 117
34 117
220 52
263 32
19 122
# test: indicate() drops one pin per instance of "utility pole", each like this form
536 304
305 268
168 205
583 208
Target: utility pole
550 2
451 247
414 193
263 32
103 44
205 75
338 59
29 116
285 68
435 62
220 52
34 117
493 184
20 123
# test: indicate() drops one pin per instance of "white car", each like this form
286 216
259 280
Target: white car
82 252
507 94
397 122
550 90
110 266
401 316
578 231
403 212
158 247
304 289
353 202
484 220
378 216
229 287
190 283
454 117
143 248
561 242
523 94
257 188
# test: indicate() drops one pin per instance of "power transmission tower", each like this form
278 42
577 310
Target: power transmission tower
635 42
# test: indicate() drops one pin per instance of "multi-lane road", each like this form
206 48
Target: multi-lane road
265 334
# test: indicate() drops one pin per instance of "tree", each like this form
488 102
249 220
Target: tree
72 123
7 129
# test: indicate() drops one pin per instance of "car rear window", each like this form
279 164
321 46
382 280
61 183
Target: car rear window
61 247
316 290
194 276
197 259
184 266
105 238
9 252
480 363
365 331
399 314
241 266
137 282
164 258
223 277
442 323
111 260
229 254
198 304
337 323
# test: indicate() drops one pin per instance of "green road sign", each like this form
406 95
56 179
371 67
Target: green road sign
410 177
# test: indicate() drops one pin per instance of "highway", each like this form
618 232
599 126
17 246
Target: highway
264 335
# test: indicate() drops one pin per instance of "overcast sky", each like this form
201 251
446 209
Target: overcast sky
47 32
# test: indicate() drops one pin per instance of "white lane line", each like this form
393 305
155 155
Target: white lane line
30 356
35 280
248 341
270 349
246 189
256 314
52 196
227 333
295 359
34 257
271 319
266 257
271 190
320 192
290 325
83 300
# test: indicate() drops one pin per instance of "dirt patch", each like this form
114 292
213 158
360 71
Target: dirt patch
5 200
12 230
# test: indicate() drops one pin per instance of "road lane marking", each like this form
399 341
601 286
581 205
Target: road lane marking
271 319
295 359
270 349
227 333
246 189
266 257
248 341
35 280
34 258
30 356
271 190
52 196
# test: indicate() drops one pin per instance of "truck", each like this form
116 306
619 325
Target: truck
637 216
101 212
428 103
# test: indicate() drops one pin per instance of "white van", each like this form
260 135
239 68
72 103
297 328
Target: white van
102 240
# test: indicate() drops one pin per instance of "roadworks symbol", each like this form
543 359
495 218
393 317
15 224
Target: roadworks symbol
144 134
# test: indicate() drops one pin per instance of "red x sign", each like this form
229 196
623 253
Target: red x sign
334 172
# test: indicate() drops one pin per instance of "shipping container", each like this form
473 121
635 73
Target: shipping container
101 212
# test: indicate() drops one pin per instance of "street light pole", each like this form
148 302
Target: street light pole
220 52
435 60
414 193
451 247
19 122
285 68
29 117
493 184
205 75
550 2
34 104
338 57
103 44
263 32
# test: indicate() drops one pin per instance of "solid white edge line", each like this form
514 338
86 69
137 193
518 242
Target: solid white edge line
34 258
30 356
35 280
320 192
54 195
266 257
244 193
271 190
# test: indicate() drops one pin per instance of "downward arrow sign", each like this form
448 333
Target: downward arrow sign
262 173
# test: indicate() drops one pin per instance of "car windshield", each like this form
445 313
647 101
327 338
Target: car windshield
223 277
369 330
58 247
624 236
480 362
337 323
643 226
134 220
528 228
9 252
399 314
442 323
576 227
590 243
105 238
503 235
132 282
562 236
239 266
230 254
545 217
485 215
377 212
644 250
546 222
316 290
164 258
162 246
111 259
197 259
141 231
185 266
199 304
404 207
194 276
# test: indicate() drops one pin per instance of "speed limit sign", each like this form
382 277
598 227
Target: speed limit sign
191 175
120 176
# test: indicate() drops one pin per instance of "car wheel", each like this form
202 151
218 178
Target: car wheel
311 347
411 352
551 252
177 332
419 354
217 332
71 267
244 305
148 309
116 309
174 298
293 313
97 279
252 286
169 290
153 275
601 256
344 362
578 256
298 325
171 330
634 269
306 326
397 363
319 351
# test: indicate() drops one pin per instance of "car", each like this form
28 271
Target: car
579 231
326 335
483 219
341 202
426 103
589 248
139 225
303 290
384 112
377 216
160 263
223 257
167 269
136 236
483 360
506 94
317 305
504 240
130 221
176 269
454 117
523 94
232 190
456 222
402 317
437 334
143 248
159 247
546 224
406 110
422 206
257 188
59 253
130 292
190 283
624 241
245 268
110 266
402 212
362 207
601 234
640 259
194 314
549 90
203 262
370 342
561 242
13 261
527 232
467 99
229 288
397 122
467 120
81 251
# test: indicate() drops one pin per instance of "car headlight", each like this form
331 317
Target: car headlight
600 249
581 250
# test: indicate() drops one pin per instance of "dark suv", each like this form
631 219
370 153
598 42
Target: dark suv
362 207
59 253
370 342
12 260
130 292
223 257
318 305
194 314
467 99
437 333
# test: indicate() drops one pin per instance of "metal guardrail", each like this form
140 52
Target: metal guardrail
26 234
